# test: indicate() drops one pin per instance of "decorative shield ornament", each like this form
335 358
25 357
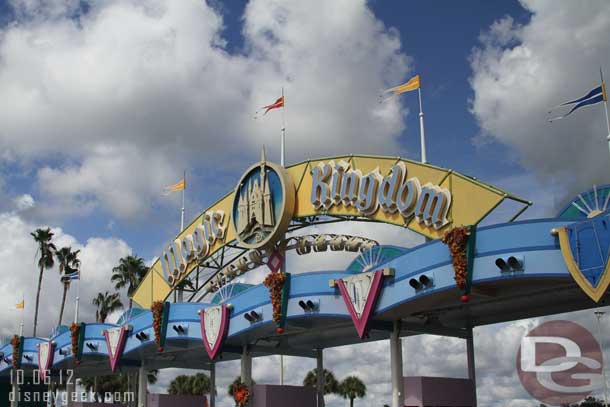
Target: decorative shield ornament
45 357
115 342
585 247
360 293
214 326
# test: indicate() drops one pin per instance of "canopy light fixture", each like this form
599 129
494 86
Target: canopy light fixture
512 263
309 305
253 316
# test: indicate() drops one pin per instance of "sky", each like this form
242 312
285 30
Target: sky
102 104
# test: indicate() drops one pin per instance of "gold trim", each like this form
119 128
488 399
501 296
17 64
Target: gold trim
595 293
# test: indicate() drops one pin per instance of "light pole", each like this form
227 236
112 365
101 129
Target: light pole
599 315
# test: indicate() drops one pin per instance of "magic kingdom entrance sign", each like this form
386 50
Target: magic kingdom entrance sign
423 198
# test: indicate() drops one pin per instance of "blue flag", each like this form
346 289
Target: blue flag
594 96
73 276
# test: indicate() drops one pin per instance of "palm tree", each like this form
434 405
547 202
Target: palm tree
352 387
106 303
330 382
46 249
196 385
114 385
130 271
152 376
96 384
68 264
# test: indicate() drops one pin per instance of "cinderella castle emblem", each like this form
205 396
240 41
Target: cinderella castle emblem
255 207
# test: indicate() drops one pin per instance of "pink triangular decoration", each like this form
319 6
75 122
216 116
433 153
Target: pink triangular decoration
44 365
213 350
362 321
116 355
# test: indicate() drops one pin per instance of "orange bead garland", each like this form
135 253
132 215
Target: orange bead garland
241 394
74 336
15 341
275 282
457 240
157 311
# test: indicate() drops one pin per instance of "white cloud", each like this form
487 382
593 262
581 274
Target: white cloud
105 179
24 202
19 276
520 71
152 86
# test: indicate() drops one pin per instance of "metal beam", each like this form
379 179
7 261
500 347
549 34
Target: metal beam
436 330
396 365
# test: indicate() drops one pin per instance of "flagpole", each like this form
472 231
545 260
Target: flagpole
283 143
182 211
77 297
605 106
421 128
22 313
283 163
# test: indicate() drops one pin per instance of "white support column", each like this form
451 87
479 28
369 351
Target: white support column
15 392
320 377
281 370
213 385
471 366
142 386
246 370
130 376
70 390
396 366
246 367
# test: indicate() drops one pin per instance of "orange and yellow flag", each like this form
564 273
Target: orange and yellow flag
411 84
20 305
178 186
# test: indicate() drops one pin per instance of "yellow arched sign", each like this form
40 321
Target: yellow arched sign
421 197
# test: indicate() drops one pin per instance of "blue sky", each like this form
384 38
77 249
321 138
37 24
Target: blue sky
439 40
104 103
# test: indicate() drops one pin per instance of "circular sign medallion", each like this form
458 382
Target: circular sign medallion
263 205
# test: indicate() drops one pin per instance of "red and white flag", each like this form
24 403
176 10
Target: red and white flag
275 105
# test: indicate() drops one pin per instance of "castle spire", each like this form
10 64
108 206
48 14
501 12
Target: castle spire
263 158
